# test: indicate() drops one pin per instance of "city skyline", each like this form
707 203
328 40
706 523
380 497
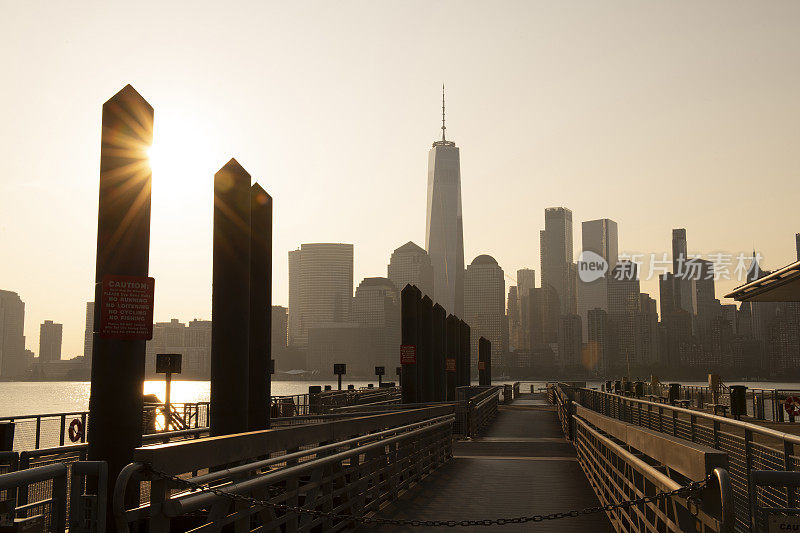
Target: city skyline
703 138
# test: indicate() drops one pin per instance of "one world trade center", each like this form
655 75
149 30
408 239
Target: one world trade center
444 237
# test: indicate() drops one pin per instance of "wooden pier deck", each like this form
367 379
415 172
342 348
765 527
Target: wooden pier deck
522 465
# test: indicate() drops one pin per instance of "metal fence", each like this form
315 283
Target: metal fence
33 432
619 473
350 467
749 446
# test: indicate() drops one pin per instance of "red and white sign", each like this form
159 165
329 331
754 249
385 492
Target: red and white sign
408 354
450 365
792 405
126 307
481 365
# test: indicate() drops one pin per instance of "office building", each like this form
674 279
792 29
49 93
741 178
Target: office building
444 230
50 335
484 306
377 305
411 265
599 237
558 270
12 335
320 287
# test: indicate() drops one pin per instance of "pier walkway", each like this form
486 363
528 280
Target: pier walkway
520 466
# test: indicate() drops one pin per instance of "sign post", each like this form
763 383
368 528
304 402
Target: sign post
380 371
340 369
168 363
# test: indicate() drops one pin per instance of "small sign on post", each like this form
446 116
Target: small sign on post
450 363
126 307
380 371
340 369
168 363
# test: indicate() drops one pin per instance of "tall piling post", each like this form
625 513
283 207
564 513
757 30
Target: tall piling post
484 362
230 301
464 364
452 357
123 249
408 349
260 347
425 360
438 343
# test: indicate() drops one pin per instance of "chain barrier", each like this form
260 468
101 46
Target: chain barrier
687 491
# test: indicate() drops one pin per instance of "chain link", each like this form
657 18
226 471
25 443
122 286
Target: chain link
689 491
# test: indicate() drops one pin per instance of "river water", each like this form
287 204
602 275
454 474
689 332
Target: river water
29 398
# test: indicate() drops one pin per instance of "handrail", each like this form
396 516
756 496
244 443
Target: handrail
794 439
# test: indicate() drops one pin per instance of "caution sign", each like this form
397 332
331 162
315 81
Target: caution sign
408 354
792 405
450 365
779 524
126 307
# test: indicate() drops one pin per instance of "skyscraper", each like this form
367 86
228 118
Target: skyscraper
12 334
599 237
320 287
87 334
484 302
558 270
280 338
50 335
377 305
410 264
526 280
294 297
623 305
444 231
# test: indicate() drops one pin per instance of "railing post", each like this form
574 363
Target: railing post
692 425
748 460
59 503
788 464
38 431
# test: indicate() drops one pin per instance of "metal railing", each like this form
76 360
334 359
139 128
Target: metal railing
624 463
347 467
32 432
749 446
61 493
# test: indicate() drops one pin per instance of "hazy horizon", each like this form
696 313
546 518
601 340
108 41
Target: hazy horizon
658 116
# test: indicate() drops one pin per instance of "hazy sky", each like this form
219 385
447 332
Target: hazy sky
655 114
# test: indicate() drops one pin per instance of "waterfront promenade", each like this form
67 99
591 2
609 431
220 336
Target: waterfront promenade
520 466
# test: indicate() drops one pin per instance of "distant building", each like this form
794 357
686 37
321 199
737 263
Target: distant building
558 269
12 335
526 281
280 337
599 237
50 335
444 230
570 340
348 343
599 339
545 312
623 305
294 310
192 341
484 302
88 336
410 264
320 288
377 305
647 336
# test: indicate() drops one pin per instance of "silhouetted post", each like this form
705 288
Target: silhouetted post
123 248
439 341
230 301
340 369
464 365
408 348
425 352
260 348
484 362
452 353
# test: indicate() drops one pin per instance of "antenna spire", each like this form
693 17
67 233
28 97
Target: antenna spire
443 126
